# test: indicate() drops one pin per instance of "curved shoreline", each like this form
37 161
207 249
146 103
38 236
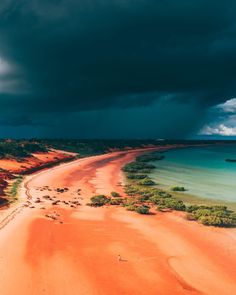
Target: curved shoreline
16 208
175 161
78 254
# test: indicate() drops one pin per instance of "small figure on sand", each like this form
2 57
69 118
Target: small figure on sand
119 257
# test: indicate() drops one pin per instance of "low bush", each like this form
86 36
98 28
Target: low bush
164 194
12 194
136 176
115 194
150 157
131 207
217 221
190 216
171 203
142 199
135 190
178 189
147 181
19 149
155 199
99 200
131 190
212 215
135 167
116 201
192 208
142 209
142 193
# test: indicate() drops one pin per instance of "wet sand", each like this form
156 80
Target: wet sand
77 253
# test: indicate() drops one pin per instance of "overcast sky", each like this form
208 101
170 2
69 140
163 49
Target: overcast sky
117 69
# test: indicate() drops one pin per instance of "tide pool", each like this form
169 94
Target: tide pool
203 171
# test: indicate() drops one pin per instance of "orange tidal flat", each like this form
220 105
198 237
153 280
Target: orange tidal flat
161 253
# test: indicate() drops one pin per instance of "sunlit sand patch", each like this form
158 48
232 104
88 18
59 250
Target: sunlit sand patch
160 254
102 181
142 265
89 213
188 271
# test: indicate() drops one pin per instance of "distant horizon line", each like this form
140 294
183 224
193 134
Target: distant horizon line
120 139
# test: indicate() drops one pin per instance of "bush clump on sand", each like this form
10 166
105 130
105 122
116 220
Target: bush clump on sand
171 203
99 200
137 190
142 199
131 190
147 181
136 167
142 194
19 149
212 215
164 194
158 198
192 208
150 157
217 221
116 201
131 207
12 194
178 189
164 200
136 176
142 209
115 194
93 147
155 199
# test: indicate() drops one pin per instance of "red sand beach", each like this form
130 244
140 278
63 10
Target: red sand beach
77 252
35 161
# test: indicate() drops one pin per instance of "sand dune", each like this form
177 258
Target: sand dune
77 252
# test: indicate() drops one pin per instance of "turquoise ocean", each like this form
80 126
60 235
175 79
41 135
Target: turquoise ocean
203 171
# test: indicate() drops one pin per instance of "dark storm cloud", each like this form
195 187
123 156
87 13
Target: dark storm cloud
71 56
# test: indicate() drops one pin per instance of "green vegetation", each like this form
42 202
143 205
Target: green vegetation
164 194
136 176
47 165
136 190
150 157
19 149
142 190
178 189
115 194
136 167
116 201
171 203
207 215
142 209
147 181
141 197
155 196
99 200
138 170
86 147
131 207
212 215
13 191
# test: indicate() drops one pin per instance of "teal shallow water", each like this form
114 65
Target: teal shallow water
201 170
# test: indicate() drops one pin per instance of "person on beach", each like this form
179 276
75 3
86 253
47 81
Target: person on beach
119 258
